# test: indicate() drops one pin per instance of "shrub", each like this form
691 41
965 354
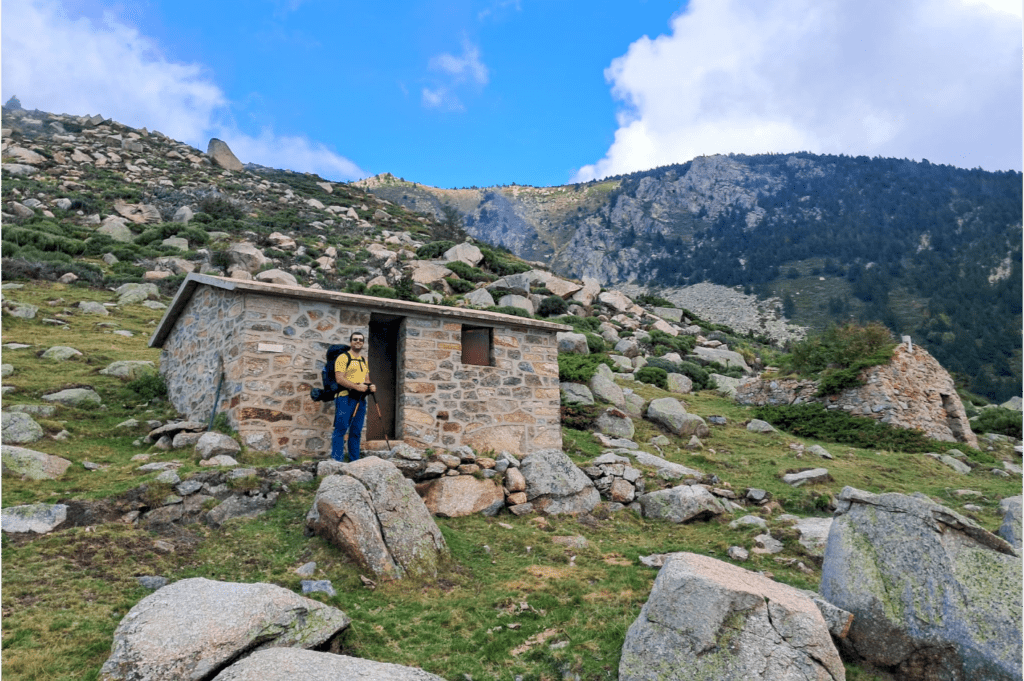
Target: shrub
579 368
580 416
149 386
998 420
681 344
218 208
435 249
581 324
839 354
352 271
595 343
381 291
510 309
653 376
551 306
813 420
501 264
355 287
469 273
460 285
651 300
697 374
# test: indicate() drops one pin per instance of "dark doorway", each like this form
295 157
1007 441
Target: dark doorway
384 366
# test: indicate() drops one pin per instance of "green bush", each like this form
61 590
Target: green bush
838 355
435 249
813 420
149 386
551 306
998 420
218 208
653 376
460 285
469 273
501 264
352 271
651 300
581 324
42 239
697 374
355 287
579 368
681 344
510 309
381 291
580 416
595 343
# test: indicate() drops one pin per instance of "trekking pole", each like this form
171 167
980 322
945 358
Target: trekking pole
377 404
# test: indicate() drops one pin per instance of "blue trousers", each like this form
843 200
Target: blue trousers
349 415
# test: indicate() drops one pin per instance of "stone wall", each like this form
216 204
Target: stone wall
512 406
273 346
911 391
204 340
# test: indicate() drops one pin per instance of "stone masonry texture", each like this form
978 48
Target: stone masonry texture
270 347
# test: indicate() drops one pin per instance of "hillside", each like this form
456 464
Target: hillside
932 251
102 222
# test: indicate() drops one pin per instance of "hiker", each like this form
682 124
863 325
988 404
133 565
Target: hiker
352 374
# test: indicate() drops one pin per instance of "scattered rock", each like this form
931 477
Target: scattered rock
75 397
19 428
681 504
759 426
30 464
36 518
555 485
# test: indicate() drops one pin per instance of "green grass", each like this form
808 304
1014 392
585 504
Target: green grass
65 593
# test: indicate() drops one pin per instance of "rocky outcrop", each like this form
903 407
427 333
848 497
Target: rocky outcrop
911 391
220 153
933 595
192 628
706 619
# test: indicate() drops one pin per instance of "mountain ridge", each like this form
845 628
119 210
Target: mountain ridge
890 238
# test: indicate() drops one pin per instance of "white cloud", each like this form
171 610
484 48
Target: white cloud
81 66
291 152
936 79
454 73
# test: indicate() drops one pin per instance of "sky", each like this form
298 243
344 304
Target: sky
461 93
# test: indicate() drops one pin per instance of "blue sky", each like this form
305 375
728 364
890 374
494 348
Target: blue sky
540 92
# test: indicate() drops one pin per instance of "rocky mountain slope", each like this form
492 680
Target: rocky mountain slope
117 496
872 239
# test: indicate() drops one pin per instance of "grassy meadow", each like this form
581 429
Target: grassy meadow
512 602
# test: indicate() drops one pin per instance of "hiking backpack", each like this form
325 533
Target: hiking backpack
331 387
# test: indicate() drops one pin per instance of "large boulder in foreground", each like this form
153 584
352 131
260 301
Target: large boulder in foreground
373 513
706 619
554 484
189 629
290 664
933 595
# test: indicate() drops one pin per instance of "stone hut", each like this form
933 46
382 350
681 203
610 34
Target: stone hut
445 376
911 391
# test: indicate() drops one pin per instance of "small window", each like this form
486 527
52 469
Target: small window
476 345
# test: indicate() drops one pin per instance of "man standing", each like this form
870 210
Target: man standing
352 374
